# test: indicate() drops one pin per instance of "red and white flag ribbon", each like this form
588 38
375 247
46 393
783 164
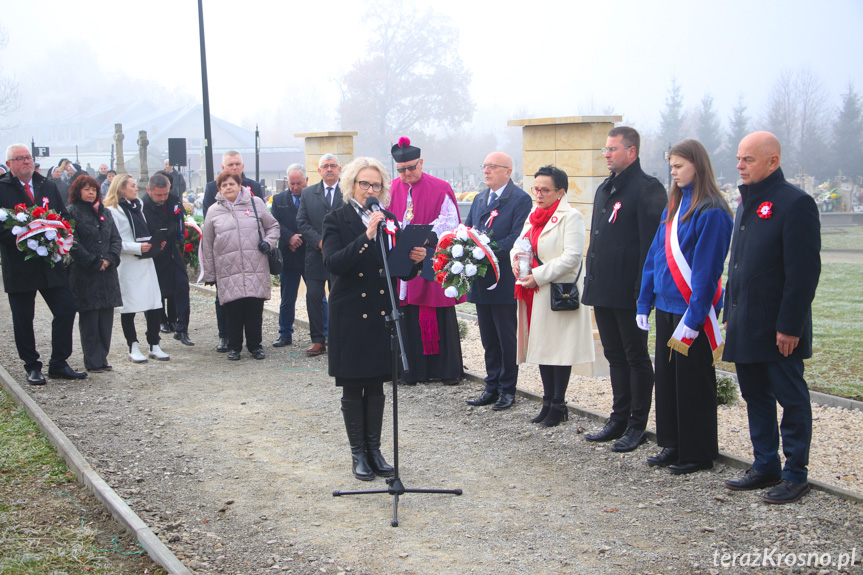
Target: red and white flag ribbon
682 274
488 253
613 216
37 227
491 219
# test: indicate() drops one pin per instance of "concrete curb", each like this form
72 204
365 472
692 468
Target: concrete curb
726 458
76 462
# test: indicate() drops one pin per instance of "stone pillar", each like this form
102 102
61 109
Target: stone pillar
143 168
340 144
573 144
118 141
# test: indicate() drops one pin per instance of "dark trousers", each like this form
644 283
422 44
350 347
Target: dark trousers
555 380
177 305
244 314
762 385
62 305
497 330
127 322
625 348
316 306
220 319
95 327
290 285
685 394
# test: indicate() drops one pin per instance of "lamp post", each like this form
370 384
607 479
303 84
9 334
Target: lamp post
257 154
208 136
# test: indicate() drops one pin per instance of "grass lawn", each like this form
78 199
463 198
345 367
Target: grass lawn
849 238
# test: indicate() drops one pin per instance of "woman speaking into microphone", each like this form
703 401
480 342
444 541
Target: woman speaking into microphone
359 352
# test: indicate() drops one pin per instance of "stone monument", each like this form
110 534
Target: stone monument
143 142
118 142
340 144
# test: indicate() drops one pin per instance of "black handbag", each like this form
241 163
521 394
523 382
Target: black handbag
274 255
564 297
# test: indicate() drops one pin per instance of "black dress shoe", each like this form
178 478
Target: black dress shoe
631 439
107 367
183 337
234 355
283 341
787 492
66 372
259 353
223 345
452 381
612 430
487 398
505 401
752 480
165 327
664 458
682 468
35 377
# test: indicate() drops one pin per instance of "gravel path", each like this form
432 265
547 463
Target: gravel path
233 464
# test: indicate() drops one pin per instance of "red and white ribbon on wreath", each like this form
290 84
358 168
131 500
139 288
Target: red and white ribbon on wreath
471 233
682 274
390 229
194 225
613 215
491 218
37 227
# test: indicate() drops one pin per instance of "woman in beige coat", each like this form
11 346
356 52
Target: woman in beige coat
234 262
556 340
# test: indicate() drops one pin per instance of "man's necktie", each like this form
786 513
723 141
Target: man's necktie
329 196
29 193
490 197
296 201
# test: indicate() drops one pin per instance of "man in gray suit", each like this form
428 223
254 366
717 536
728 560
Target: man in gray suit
316 202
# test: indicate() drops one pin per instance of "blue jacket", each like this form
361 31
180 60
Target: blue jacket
704 238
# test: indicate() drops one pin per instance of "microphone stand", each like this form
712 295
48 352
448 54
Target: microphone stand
394 322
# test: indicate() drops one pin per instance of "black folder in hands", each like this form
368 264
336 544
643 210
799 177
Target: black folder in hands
157 240
399 258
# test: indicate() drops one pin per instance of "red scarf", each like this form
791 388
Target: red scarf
538 218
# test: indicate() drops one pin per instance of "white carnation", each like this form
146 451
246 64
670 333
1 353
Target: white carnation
457 251
451 291
470 270
22 216
50 234
484 239
3 215
457 268
32 244
42 251
17 230
462 234
478 253
55 257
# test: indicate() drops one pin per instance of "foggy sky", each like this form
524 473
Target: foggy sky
543 58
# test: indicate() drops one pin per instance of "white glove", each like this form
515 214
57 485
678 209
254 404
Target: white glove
689 333
641 321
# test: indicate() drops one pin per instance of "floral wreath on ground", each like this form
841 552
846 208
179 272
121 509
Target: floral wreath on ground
39 232
462 256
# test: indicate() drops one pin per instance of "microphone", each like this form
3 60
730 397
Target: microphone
372 204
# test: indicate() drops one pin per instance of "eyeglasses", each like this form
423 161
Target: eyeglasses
366 185
408 168
543 191
329 166
21 159
614 149
492 166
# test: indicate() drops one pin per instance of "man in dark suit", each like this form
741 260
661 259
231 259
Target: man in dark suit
772 276
165 216
626 211
500 211
232 162
23 278
284 209
316 202
178 182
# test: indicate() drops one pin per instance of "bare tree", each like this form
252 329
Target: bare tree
9 97
411 80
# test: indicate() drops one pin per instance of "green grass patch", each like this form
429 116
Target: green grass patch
850 238
42 529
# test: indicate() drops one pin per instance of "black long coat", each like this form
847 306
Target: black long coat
34 274
358 335
617 249
285 212
773 271
310 219
166 221
96 238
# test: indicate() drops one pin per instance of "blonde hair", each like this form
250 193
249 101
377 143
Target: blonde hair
349 175
115 190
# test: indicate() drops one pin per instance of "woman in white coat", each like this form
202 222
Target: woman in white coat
139 284
556 340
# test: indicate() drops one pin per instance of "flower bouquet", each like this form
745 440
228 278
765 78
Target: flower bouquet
40 232
191 243
462 256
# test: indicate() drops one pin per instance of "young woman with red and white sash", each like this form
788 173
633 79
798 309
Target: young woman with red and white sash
682 280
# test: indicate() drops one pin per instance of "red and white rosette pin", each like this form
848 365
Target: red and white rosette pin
390 229
491 218
45 202
765 210
613 216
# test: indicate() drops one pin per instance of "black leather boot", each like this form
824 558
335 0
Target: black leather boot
374 406
556 414
352 411
546 405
